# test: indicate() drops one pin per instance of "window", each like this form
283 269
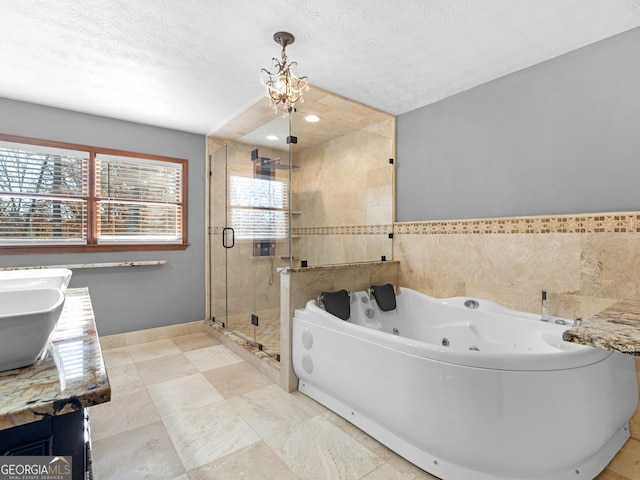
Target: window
76 198
42 195
138 200
258 208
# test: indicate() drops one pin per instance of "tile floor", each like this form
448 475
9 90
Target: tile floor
190 409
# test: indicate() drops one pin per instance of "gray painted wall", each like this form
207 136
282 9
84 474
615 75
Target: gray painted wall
560 137
133 298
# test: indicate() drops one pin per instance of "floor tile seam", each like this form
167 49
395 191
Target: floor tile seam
174 413
140 345
158 357
385 464
227 398
175 450
129 430
245 420
116 394
283 460
193 349
188 409
106 362
307 416
235 452
165 428
354 438
142 385
166 432
157 383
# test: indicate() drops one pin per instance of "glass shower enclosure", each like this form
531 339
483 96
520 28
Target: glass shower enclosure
250 233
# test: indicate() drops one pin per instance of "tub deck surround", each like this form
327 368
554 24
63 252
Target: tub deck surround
70 376
615 328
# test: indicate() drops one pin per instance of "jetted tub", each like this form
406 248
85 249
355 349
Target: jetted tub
476 392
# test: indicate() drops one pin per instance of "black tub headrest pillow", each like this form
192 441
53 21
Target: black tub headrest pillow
385 296
337 303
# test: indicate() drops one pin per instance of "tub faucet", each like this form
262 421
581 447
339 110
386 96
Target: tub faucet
544 317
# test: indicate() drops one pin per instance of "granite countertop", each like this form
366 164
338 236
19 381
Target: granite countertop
615 328
69 376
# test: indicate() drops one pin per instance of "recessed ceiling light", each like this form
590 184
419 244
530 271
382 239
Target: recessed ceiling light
312 118
272 137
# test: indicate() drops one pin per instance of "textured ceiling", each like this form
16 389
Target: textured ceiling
193 65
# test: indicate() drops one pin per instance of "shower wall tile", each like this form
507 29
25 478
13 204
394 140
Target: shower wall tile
343 186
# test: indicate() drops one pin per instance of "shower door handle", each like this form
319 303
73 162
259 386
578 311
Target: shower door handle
228 234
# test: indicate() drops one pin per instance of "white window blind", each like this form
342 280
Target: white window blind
43 195
138 200
259 208
58 194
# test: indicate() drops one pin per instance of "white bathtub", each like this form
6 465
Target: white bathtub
524 405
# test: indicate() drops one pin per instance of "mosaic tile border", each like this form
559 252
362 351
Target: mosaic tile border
334 230
344 230
628 222
589 223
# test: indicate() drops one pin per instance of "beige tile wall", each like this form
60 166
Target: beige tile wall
585 263
343 190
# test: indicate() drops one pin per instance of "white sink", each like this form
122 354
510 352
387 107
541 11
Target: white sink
33 278
27 320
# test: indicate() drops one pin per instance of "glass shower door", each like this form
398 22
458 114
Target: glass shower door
250 239
233 296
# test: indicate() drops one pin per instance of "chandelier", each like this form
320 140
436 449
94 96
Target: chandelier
283 86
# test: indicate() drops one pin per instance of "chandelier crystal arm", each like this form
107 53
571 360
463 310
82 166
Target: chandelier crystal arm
283 85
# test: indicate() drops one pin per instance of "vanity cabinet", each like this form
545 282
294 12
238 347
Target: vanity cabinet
64 435
44 406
